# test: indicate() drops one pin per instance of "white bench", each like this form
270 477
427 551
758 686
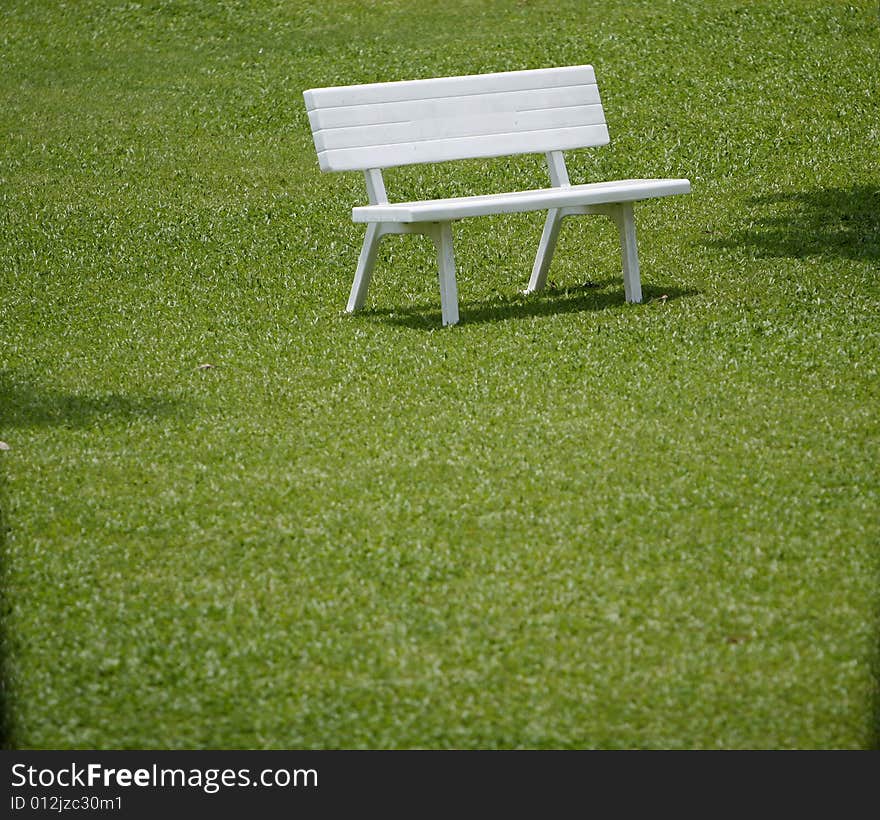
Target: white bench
548 110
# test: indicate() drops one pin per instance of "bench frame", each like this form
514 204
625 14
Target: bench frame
613 200
621 213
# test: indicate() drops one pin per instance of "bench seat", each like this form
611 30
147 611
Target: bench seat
595 193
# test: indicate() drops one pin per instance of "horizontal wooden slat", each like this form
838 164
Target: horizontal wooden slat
372 93
597 193
463 126
456 106
382 125
491 145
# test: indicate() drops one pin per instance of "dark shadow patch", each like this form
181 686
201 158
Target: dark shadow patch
874 739
24 406
831 222
6 727
552 301
874 743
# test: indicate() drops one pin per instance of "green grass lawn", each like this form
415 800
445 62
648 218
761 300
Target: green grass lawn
567 521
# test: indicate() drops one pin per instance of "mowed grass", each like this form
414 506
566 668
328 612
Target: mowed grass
566 522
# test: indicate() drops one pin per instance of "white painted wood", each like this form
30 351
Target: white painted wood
366 263
433 108
442 237
382 125
368 94
597 193
443 150
623 217
475 124
375 187
546 247
626 226
369 252
558 170
552 224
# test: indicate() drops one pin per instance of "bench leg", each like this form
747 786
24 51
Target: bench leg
442 236
545 250
366 263
626 226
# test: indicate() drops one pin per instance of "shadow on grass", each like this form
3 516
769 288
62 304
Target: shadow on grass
842 223
552 301
834 222
6 733
874 742
23 406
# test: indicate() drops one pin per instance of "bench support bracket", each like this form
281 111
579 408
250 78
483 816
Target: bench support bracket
622 216
441 235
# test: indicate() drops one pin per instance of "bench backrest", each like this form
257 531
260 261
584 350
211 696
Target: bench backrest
381 125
